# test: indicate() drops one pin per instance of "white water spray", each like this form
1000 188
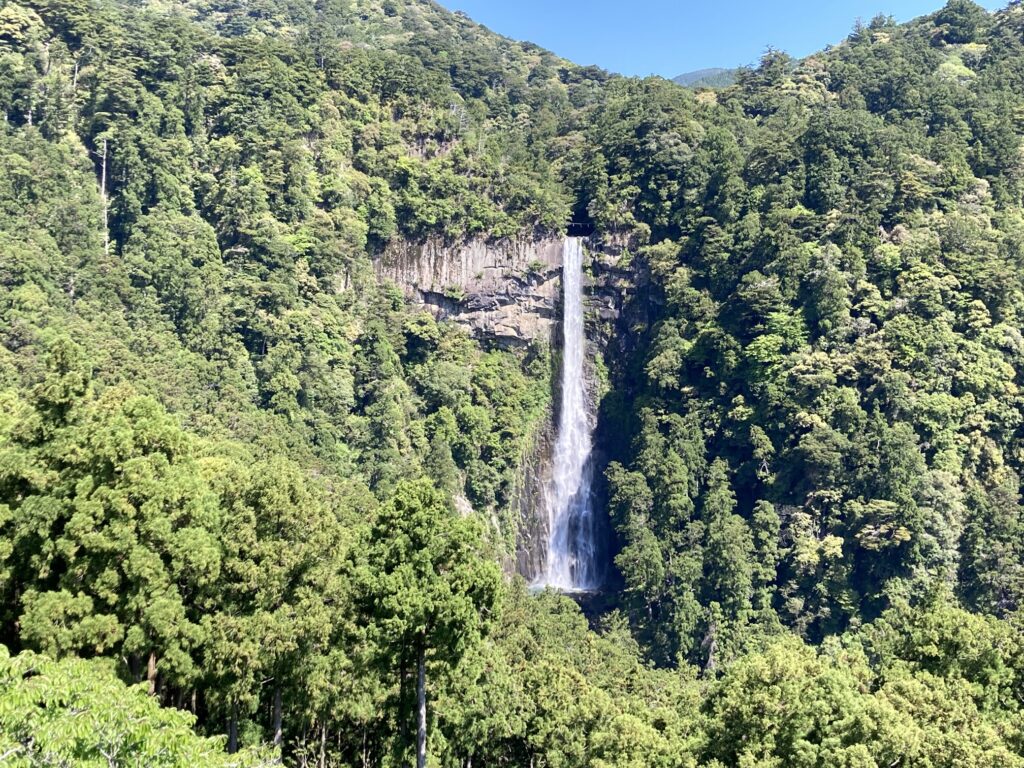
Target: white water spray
571 563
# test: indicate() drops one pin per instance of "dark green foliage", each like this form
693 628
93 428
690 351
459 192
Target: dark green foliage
961 21
836 322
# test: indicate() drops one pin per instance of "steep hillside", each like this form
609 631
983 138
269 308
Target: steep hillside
204 386
716 77
227 195
825 413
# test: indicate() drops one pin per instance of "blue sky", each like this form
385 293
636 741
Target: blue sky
668 37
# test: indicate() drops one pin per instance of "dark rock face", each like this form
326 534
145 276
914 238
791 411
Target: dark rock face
532 536
506 292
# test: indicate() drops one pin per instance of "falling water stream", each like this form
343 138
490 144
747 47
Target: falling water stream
571 563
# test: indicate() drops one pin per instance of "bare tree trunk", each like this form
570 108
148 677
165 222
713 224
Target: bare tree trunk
151 673
278 730
323 746
104 199
106 202
711 645
404 734
421 705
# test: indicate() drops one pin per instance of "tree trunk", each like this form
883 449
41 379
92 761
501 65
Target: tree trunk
323 746
421 705
151 673
404 734
106 203
711 645
278 730
233 732
304 752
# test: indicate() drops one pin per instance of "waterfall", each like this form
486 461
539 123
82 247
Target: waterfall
571 563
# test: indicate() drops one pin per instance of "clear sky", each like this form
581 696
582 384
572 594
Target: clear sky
669 37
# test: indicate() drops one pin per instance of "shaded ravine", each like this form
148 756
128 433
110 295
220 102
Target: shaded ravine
571 562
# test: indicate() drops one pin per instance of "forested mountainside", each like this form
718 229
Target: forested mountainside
250 480
715 77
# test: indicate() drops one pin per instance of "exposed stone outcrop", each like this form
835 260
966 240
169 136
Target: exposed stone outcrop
506 291
532 533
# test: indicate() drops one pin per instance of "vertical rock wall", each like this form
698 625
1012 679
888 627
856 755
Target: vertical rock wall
506 292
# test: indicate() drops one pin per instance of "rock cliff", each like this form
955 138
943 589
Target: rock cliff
506 292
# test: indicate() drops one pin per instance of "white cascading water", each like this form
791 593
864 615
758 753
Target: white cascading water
571 563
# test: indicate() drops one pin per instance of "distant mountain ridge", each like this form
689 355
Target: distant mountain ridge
714 77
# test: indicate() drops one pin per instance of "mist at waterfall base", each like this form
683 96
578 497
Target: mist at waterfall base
571 563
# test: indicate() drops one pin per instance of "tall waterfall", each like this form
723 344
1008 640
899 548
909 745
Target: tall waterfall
571 563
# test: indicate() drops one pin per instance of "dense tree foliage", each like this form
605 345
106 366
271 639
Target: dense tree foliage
242 476
825 404
77 712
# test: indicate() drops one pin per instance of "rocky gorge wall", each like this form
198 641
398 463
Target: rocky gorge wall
506 292
509 292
